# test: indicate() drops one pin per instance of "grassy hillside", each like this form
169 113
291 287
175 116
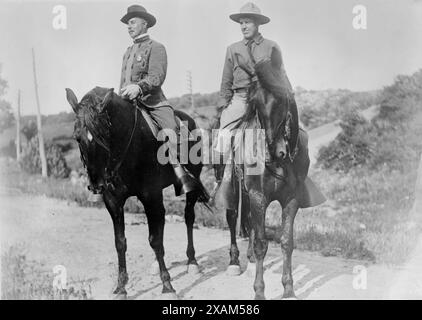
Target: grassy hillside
320 107
315 108
51 131
369 173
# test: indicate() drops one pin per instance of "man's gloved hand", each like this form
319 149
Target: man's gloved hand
130 92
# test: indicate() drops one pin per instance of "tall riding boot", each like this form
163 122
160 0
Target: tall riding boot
219 169
219 174
188 182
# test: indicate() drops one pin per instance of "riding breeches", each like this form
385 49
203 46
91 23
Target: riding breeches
229 116
164 117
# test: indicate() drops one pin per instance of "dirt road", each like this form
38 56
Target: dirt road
81 239
323 135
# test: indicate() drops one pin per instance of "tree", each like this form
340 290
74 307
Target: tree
6 114
30 130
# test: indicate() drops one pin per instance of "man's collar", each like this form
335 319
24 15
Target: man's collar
141 38
257 39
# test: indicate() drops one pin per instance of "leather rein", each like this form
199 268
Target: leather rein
113 172
253 78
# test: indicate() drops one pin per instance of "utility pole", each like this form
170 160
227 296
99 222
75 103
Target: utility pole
189 80
18 128
40 135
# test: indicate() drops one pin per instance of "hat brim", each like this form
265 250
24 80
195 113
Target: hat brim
149 18
259 18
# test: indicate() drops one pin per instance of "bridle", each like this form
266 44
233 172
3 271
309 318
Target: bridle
125 151
111 175
282 129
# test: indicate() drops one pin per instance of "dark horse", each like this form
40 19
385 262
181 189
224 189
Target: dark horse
284 177
121 161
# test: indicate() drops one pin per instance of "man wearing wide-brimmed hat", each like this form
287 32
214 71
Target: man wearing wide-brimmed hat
235 80
144 70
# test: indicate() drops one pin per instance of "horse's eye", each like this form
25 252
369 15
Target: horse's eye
89 136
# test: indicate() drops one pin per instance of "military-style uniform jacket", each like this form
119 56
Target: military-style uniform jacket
145 64
236 78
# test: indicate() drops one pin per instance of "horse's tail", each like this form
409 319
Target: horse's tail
194 170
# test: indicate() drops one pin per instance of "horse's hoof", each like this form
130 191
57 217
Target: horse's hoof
251 270
233 270
120 296
154 269
193 269
289 296
168 296
259 297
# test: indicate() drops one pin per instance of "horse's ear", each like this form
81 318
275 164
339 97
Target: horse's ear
107 99
73 101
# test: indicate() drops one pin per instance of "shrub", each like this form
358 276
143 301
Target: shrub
56 163
352 147
9 150
24 279
29 130
392 138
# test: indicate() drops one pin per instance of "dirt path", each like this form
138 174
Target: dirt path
323 135
81 239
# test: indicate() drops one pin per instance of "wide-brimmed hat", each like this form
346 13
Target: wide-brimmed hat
138 11
250 10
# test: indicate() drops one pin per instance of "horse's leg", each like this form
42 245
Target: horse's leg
155 212
234 265
189 220
250 253
258 204
251 268
288 217
115 208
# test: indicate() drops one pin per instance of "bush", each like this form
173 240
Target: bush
24 279
56 163
29 130
352 147
317 108
392 139
9 150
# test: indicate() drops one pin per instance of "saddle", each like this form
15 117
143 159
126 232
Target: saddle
154 128
309 194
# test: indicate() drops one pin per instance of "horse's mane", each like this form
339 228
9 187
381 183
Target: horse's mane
270 79
98 123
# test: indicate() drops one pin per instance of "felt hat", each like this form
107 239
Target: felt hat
250 10
141 12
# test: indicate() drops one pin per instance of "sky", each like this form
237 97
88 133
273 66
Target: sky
320 47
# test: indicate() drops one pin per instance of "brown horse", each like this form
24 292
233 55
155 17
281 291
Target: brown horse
119 152
284 177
